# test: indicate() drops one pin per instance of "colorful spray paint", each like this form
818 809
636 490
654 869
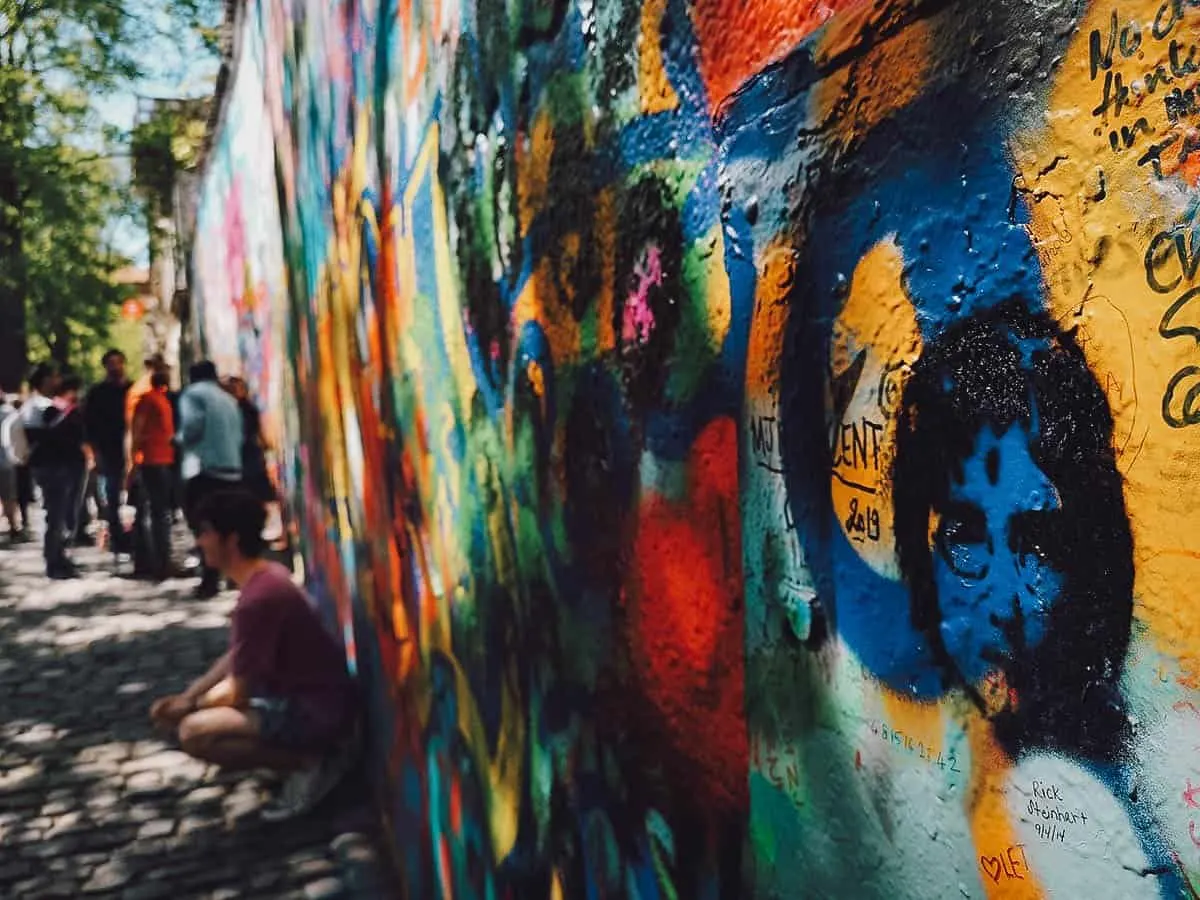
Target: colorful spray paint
748 446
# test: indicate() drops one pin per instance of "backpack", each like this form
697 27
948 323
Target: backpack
14 445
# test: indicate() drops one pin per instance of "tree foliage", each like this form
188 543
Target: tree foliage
70 296
168 141
60 184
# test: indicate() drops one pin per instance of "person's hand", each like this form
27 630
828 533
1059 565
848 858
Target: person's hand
167 712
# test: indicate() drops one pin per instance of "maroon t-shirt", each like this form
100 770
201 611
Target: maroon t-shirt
281 649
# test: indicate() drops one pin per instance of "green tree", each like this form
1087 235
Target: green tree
58 185
168 141
67 257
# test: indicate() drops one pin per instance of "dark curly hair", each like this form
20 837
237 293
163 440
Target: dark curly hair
1001 367
235 511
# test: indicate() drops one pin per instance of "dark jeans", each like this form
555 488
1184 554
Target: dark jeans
24 493
60 489
111 480
152 528
195 490
178 498
77 513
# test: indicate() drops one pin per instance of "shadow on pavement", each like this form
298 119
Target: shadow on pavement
94 802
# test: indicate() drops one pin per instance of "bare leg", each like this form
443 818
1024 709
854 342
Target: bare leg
231 738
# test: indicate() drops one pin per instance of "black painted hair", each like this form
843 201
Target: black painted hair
112 353
235 511
70 382
998 368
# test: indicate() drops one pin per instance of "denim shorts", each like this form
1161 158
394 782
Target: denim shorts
287 725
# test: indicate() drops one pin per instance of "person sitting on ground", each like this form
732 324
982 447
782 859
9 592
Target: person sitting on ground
281 697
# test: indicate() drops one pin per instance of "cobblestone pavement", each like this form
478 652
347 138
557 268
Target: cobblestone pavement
93 802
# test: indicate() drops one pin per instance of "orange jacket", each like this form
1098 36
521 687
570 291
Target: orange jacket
153 429
133 397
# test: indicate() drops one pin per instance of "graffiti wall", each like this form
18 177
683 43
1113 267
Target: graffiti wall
748 445
239 281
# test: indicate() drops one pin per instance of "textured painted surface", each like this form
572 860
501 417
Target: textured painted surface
749 446
240 283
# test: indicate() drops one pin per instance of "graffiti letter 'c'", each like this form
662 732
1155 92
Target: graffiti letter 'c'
1153 260
1190 411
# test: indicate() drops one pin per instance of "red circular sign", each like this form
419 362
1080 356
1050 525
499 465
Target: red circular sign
132 309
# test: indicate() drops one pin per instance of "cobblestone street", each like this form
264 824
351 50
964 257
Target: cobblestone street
93 801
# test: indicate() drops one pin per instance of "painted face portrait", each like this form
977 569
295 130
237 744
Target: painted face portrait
1011 529
996 582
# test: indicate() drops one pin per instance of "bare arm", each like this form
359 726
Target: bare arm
218 672
216 687
229 691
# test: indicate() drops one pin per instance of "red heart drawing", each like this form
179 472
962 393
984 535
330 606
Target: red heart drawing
988 862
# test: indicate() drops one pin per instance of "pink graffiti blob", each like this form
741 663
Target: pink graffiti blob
638 321
235 243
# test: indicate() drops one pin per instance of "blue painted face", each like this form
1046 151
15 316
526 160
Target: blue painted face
995 586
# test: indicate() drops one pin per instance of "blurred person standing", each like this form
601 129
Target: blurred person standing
54 431
151 442
150 364
176 478
104 424
67 420
210 438
11 456
141 387
16 431
254 457
43 383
